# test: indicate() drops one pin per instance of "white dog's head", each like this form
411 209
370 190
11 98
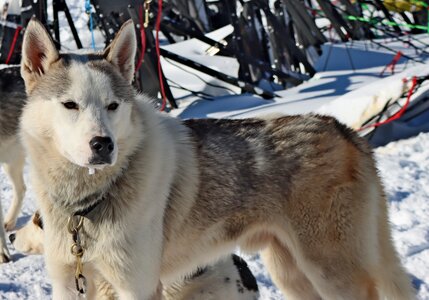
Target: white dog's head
29 238
80 103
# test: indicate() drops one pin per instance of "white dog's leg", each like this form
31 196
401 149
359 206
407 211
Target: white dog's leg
62 276
134 268
155 295
63 281
4 252
61 289
14 170
137 282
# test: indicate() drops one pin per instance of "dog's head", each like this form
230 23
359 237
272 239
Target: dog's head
29 238
80 103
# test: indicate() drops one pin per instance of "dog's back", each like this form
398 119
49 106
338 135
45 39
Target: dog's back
257 165
305 189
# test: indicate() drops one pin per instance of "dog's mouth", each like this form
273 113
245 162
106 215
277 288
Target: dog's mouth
93 167
97 162
100 161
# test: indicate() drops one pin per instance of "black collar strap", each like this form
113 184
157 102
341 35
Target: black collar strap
85 212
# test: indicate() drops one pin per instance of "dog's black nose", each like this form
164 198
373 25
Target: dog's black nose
101 147
12 237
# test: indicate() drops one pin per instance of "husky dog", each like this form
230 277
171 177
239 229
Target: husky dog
12 98
168 195
29 238
230 278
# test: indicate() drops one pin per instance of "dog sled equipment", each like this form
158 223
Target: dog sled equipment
263 52
276 43
10 32
404 5
400 118
16 14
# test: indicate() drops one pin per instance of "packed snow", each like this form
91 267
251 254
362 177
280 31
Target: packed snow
403 165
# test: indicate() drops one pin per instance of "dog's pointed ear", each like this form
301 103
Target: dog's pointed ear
122 51
38 53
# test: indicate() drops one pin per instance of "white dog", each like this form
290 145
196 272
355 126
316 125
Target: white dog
12 99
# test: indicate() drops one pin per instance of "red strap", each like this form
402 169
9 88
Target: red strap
158 53
392 64
13 44
143 40
158 50
312 11
400 112
331 39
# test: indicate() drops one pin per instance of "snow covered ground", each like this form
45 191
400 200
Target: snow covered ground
404 165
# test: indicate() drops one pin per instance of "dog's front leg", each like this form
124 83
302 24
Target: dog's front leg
14 170
133 276
156 295
134 267
62 276
4 252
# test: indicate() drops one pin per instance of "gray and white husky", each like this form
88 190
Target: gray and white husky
168 196
12 99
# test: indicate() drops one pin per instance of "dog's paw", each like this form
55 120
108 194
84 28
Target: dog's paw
10 225
4 256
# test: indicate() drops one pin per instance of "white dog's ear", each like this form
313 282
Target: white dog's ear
122 51
38 53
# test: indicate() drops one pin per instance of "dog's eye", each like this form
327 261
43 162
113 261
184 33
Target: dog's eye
71 105
113 106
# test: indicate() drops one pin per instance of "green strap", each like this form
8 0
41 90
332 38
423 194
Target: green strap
389 23
421 3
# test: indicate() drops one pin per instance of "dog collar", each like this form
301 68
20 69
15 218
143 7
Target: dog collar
86 211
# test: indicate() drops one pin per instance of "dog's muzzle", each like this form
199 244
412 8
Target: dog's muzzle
102 149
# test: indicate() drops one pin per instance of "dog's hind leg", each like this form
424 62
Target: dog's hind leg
361 258
392 280
14 170
336 245
331 273
286 274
